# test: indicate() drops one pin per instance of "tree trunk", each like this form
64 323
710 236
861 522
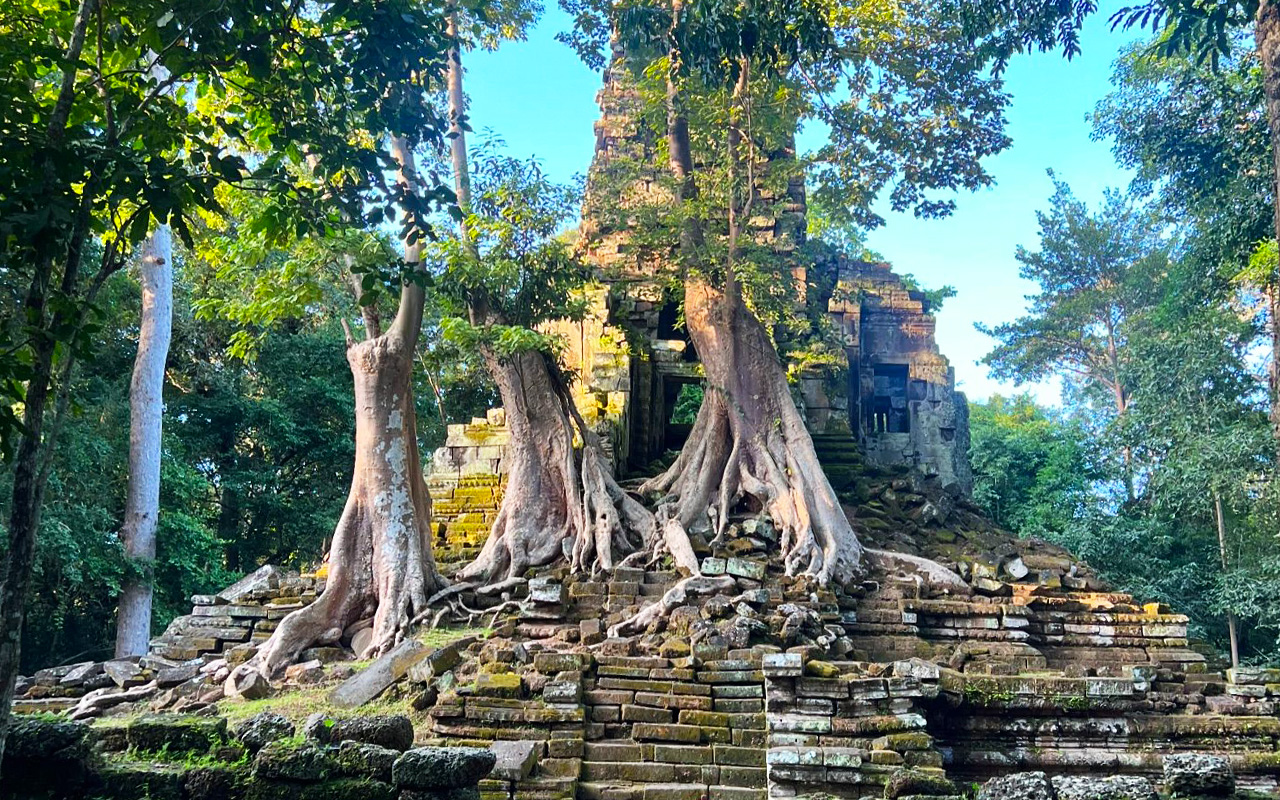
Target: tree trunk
1222 550
556 505
749 438
146 405
380 561
1267 40
28 478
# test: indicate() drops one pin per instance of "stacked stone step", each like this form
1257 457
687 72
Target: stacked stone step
599 604
675 729
840 457
464 508
1074 627
845 728
993 725
239 618
229 624
541 706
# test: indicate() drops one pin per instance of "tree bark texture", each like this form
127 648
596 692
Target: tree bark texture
1267 41
380 561
560 501
1232 634
28 483
146 410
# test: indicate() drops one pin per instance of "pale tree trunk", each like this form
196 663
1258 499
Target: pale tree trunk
28 477
749 439
1267 41
559 502
1222 551
146 410
380 561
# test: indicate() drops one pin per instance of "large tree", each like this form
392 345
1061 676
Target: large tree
511 275
912 111
1097 272
146 412
101 150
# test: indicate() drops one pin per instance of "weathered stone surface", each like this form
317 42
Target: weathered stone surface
246 682
442 767
909 782
122 672
515 759
1191 774
172 676
1123 787
293 761
262 579
392 731
374 679
260 730
361 759
46 752
176 733
1019 786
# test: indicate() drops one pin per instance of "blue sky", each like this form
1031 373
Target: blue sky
541 99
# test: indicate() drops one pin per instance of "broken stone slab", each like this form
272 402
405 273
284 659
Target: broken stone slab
1121 787
176 733
712 565
291 761
1019 786
745 568
392 731
916 668
79 673
99 700
362 760
307 672
247 683
515 759
1196 774
546 591
208 600
243 611
374 680
258 731
260 580
122 671
782 665
439 768
172 676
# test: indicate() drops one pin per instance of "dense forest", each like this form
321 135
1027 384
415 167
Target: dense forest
257 260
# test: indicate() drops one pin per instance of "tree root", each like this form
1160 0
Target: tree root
935 575
561 501
674 597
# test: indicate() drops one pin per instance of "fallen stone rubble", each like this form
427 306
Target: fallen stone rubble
184 757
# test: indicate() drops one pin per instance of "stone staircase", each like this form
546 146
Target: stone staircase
660 730
841 458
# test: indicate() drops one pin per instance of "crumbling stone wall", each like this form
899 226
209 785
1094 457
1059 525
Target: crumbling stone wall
903 405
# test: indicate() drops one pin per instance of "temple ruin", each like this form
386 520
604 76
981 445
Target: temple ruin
894 399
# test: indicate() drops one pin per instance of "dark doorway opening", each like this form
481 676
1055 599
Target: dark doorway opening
888 411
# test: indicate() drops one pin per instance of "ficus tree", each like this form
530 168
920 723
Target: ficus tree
912 110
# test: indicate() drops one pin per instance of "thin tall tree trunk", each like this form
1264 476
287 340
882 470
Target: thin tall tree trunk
28 487
146 409
1222 550
1267 41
